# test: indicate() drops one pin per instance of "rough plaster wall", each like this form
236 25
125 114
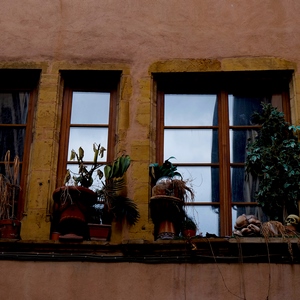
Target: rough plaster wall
78 280
144 31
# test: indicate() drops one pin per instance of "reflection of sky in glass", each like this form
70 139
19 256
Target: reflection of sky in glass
207 219
90 108
85 138
183 110
97 184
193 146
199 178
188 145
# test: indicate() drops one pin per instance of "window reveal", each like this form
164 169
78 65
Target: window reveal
17 102
89 117
207 133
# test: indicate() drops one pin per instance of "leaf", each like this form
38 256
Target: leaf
80 153
107 171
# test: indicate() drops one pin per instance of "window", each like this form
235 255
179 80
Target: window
17 101
89 116
204 121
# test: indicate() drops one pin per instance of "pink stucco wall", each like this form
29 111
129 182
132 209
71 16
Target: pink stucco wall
134 281
140 32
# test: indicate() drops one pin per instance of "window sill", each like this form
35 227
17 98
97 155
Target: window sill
195 250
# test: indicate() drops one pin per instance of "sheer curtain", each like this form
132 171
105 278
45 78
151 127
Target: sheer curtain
13 111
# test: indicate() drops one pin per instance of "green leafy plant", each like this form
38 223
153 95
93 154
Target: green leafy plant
166 177
166 169
111 192
175 183
188 223
85 177
274 159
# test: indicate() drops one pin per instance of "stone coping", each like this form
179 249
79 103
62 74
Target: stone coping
195 250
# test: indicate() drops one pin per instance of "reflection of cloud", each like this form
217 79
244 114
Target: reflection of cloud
193 146
188 145
200 180
207 220
183 110
90 108
85 138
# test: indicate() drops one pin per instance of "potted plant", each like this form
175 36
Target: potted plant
9 194
169 193
72 201
113 204
189 227
85 207
273 158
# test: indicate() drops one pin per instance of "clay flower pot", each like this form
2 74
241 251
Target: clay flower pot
10 229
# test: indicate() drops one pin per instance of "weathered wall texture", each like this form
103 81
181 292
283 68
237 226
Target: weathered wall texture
123 281
138 37
140 32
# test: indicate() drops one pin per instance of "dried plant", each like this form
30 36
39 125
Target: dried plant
185 192
9 187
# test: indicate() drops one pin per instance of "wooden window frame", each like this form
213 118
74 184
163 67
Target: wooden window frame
221 84
22 80
86 81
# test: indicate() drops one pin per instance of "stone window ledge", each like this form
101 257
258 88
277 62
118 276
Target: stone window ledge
196 250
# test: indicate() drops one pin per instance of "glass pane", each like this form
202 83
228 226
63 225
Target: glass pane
248 210
90 108
204 181
243 188
10 176
74 172
14 108
206 217
241 108
184 110
190 145
13 140
85 138
238 143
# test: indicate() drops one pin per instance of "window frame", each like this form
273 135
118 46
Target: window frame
22 80
86 81
221 84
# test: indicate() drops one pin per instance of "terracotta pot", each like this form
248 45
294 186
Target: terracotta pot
189 233
70 210
166 230
55 236
10 229
99 232
166 208
66 195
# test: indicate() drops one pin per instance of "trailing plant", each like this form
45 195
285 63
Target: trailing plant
274 159
9 188
111 192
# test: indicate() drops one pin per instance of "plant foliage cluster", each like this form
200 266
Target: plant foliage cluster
166 169
110 194
274 159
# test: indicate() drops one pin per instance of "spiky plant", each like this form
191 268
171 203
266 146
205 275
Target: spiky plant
111 193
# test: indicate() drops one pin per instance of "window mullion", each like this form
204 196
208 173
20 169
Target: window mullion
160 127
224 151
64 138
